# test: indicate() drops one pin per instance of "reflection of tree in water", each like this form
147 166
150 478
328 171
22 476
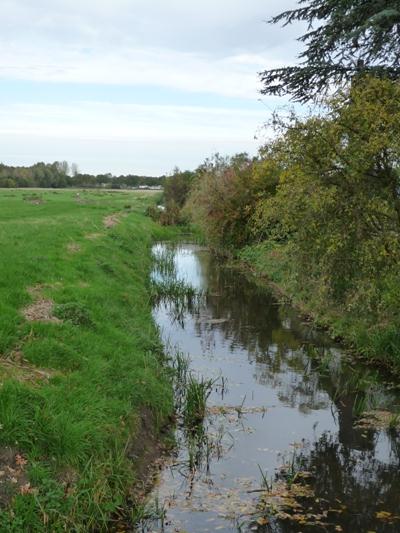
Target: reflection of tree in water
309 374
272 336
251 315
358 480
278 343
286 353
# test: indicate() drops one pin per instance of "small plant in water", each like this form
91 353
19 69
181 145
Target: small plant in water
265 484
291 469
181 372
181 366
164 262
146 516
197 393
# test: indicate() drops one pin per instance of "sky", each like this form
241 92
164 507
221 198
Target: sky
136 86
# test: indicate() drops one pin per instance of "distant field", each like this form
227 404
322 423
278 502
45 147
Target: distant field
79 354
88 190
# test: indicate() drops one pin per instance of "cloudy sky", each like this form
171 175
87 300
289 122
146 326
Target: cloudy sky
135 86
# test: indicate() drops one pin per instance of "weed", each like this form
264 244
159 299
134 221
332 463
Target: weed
148 516
74 312
394 421
164 262
197 393
181 365
264 480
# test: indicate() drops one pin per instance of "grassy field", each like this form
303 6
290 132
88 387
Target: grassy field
80 359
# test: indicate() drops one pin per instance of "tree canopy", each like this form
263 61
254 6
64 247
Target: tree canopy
344 38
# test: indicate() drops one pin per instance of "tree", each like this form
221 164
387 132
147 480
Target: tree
177 187
62 167
224 195
337 204
74 170
345 38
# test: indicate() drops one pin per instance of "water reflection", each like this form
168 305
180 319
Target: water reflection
312 396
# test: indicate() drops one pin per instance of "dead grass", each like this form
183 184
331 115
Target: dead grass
94 236
42 309
111 220
379 419
23 372
73 247
13 478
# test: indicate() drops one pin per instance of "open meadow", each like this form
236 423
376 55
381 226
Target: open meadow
80 370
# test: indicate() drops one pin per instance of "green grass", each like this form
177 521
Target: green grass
103 355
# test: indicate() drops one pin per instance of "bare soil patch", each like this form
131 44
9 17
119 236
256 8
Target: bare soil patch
147 452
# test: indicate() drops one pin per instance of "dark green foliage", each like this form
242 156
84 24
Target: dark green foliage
74 312
344 39
176 191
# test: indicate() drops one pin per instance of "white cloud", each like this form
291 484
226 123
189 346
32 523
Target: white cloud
207 46
232 76
99 120
213 47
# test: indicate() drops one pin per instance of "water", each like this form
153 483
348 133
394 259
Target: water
292 402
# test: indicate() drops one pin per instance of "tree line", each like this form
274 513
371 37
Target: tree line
60 175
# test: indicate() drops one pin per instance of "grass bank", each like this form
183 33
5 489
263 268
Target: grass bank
80 357
378 341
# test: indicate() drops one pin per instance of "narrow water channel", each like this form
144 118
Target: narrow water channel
288 448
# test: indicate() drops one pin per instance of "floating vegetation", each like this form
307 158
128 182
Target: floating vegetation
181 371
176 291
379 420
232 409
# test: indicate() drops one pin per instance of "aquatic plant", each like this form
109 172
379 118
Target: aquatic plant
197 393
147 516
181 365
164 262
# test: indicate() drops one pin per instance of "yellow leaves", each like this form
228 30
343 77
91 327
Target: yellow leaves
385 516
262 521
